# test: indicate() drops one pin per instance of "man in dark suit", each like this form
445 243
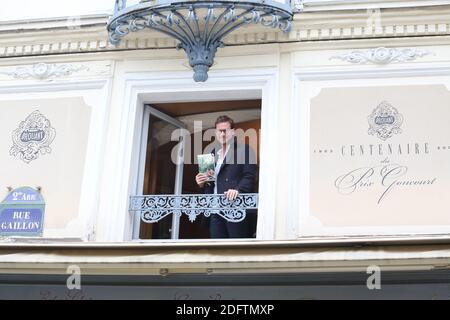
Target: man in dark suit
235 173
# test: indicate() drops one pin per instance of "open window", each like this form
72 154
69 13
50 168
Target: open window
168 164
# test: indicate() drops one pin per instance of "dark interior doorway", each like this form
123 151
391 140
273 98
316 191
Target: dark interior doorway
160 171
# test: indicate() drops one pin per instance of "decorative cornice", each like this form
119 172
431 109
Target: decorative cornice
382 55
43 71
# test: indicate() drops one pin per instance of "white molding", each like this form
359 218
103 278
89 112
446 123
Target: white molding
121 169
306 85
370 71
50 86
320 5
54 23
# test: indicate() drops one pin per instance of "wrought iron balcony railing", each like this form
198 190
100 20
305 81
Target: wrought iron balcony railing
153 208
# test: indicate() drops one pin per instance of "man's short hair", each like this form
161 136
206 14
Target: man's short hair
224 118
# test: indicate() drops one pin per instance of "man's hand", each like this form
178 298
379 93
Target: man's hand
201 179
231 194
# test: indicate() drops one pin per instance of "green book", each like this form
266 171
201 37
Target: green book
206 164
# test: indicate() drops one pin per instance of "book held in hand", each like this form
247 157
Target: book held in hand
206 164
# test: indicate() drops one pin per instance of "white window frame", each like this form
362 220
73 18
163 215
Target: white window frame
142 88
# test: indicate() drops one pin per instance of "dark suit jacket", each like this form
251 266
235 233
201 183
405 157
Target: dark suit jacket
238 171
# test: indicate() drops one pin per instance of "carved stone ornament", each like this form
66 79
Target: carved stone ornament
42 71
33 137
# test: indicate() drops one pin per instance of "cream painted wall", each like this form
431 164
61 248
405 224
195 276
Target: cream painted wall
416 155
73 96
419 88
